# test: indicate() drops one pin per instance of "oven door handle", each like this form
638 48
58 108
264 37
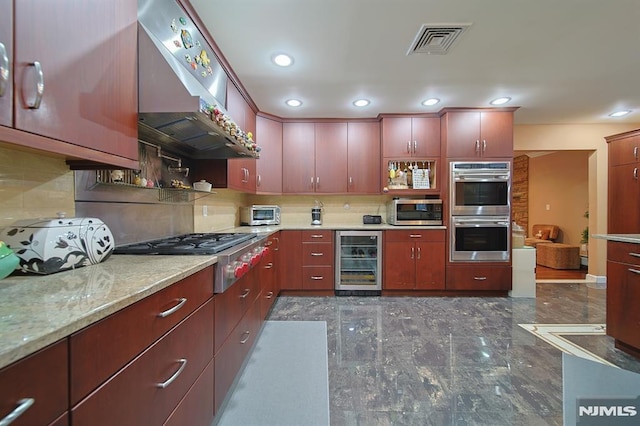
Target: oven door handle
480 178
479 222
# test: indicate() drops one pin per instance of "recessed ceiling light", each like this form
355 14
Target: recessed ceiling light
361 102
620 113
500 101
282 60
430 102
294 102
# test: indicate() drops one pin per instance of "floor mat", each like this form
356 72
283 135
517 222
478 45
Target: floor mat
285 380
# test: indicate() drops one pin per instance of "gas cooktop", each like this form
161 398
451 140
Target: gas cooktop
207 243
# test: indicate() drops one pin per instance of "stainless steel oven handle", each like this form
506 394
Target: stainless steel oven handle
474 222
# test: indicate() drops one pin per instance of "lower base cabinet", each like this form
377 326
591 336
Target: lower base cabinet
479 278
414 260
196 408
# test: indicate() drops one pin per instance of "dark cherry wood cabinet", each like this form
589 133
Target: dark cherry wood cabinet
269 165
88 108
477 134
196 408
317 260
470 277
268 278
149 388
290 260
331 175
623 292
414 260
42 377
6 71
241 171
623 183
406 137
363 156
298 158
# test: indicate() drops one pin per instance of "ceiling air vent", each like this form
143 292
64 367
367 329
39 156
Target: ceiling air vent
436 39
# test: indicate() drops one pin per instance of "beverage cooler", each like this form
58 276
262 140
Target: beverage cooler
358 262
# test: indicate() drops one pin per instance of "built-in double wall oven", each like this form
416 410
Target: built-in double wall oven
480 227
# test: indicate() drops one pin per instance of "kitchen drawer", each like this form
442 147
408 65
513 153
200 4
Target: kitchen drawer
196 409
478 277
623 252
133 396
317 278
43 377
231 355
125 334
234 303
414 235
319 236
314 254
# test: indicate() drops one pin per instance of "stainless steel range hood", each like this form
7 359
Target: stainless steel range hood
179 81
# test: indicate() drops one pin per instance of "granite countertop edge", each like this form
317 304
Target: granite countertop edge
622 238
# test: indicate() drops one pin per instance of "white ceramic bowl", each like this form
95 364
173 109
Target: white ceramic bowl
203 185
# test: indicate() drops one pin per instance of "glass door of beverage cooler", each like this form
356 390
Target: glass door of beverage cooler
359 260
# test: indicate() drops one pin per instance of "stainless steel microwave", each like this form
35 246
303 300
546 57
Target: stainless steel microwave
256 215
405 211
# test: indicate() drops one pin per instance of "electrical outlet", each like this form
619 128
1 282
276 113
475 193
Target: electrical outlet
205 210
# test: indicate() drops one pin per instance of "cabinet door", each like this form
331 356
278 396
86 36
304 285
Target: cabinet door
291 263
331 157
425 133
269 165
88 54
241 172
396 136
624 199
6 49
624 151
363 157
496 134
430 258
298 162
462 134
399 266
623 292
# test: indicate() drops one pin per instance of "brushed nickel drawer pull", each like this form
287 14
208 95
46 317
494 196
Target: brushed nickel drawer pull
245 294
635 152
413 250
635 271
23 405
415 236
408 147
39 85
418 252
168 312
317 236
315 277
4 69
635 173
268 243
634 254
170 380
269 295
317 254
268 265
246 339
479 278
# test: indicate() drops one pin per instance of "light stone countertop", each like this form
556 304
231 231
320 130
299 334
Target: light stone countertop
37 310
622 238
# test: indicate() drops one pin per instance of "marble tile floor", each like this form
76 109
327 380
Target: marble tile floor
451 361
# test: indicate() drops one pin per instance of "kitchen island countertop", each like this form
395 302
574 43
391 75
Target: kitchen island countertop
37 310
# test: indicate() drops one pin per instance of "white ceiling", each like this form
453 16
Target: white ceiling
561 61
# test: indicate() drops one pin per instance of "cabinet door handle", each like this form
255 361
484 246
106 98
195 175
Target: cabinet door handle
245 293
246 339
634 254
350 181
477 146
168 312
269 295
635 271
418 252
317 254
415 236
408 147
312 186
479 278
183 364
413 252
259 180
635 173
39 85
278 243
23 405
4 69
415 146
635 151
484 145
317 181
317 277
268 265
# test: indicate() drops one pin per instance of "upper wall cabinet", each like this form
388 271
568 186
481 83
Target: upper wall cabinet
6 57
241 171
478 134
363 156
269 165
75 79
410 137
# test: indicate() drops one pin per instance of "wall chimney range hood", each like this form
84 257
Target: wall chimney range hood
180 82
